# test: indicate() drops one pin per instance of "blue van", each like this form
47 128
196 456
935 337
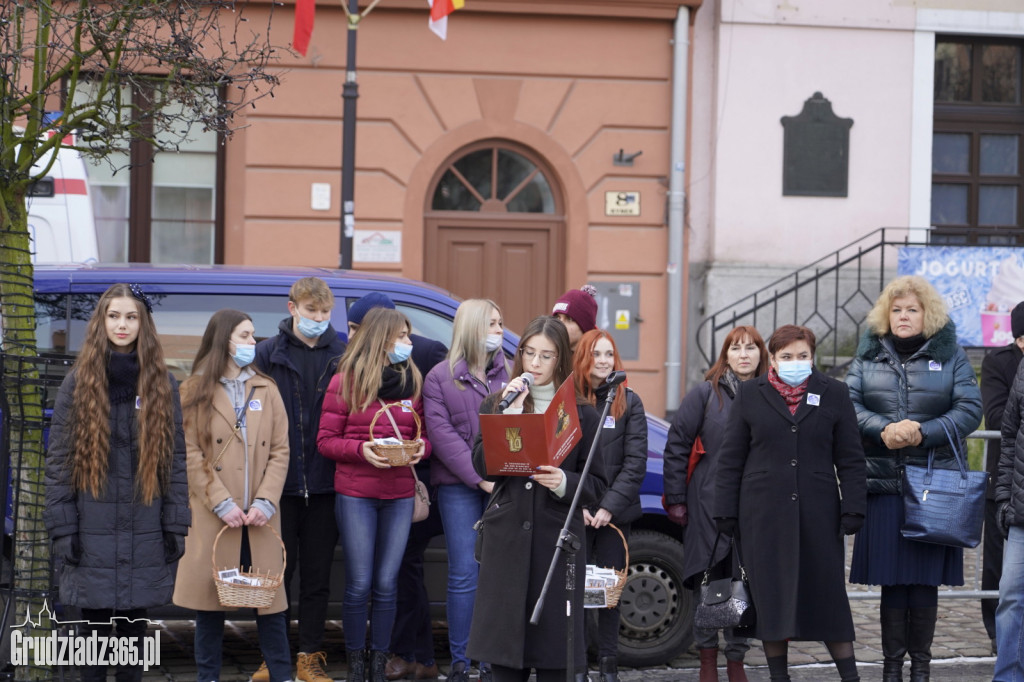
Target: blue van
655 607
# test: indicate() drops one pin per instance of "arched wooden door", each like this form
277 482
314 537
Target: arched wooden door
495 229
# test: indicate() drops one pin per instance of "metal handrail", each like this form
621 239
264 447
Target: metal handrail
838 289
975 592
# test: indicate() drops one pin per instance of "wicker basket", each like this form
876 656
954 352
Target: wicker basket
614 592
238 595
397 454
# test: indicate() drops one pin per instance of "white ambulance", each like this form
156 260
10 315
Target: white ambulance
60 213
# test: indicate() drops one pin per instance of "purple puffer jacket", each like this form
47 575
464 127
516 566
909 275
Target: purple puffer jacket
453 418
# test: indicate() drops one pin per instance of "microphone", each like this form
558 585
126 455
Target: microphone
527 380
616 378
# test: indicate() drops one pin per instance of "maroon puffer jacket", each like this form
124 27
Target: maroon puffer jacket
341 437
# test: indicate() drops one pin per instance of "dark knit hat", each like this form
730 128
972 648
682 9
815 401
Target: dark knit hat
580 305
1017 320
367 303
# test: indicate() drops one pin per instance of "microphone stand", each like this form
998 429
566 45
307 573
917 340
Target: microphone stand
570 544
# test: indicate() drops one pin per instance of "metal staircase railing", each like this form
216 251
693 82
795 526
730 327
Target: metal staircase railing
831 296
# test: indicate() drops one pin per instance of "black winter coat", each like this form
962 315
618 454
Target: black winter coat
997 372
624 449
309 472
122 564
1010 486
777 473
937 380
520 528
700 414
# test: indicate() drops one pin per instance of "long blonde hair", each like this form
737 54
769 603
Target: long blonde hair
472 320
935 315
361 366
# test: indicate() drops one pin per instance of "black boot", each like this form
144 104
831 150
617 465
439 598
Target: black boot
894 643
778 668
847 668
920 631
609 669
356 665
582 677
378 661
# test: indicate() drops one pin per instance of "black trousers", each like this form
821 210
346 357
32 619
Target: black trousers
606 549
412 636
310 534
992 566
124 628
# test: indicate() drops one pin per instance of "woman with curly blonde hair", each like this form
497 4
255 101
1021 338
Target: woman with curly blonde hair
236 431
908 377
116 489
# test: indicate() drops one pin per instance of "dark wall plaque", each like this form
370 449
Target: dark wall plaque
816 151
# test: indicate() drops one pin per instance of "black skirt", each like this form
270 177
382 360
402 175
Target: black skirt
881 556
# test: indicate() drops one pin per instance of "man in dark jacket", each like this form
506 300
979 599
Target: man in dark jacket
302 358
997 372
1010 498
412 641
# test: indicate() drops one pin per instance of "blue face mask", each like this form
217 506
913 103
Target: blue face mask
244 354
794 372
310 328
401 353
492 342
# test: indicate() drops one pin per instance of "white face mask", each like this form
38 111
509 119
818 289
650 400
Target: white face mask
794 372
492 342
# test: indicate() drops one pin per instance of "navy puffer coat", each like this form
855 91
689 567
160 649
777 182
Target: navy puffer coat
1010 485
122 564
936 381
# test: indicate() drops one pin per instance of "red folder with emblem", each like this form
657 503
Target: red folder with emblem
516 444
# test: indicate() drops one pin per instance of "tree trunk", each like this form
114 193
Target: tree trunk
22 405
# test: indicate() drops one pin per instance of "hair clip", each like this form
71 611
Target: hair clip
139 294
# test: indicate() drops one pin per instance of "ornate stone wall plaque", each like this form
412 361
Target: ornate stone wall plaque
816 151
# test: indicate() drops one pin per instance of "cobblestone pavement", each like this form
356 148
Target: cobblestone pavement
961 649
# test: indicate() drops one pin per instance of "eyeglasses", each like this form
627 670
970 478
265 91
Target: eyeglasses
529 354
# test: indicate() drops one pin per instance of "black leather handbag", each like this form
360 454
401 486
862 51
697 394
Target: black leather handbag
944 506
724 603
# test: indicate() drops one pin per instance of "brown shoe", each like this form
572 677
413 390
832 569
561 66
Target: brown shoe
261 674
398 668
426 672
310 667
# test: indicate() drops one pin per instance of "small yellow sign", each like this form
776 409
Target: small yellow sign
622 319
622 203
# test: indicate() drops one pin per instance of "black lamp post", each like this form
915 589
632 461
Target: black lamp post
349 93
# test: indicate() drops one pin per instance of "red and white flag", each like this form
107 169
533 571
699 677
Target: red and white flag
439 11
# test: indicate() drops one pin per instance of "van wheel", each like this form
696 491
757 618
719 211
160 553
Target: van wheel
655 610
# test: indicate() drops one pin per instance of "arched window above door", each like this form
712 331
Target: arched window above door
494 179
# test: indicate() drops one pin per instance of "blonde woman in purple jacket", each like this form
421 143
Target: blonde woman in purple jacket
452 393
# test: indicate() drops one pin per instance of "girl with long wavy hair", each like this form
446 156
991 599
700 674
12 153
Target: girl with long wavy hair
624 448
236 431
522 523
374 504
116 488
452 394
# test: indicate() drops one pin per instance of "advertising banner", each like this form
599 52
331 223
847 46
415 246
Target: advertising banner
981 286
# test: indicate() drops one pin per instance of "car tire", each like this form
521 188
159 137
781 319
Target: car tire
655 610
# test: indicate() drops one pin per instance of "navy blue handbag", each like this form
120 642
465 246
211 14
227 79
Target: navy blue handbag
944 506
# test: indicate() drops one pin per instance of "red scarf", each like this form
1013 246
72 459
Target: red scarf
793 395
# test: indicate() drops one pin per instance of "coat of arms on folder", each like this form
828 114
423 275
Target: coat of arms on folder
516 444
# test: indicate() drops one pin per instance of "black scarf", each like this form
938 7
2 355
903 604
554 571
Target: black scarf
908 346
601 393
396 382
123 376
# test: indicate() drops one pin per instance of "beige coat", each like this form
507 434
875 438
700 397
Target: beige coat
267 429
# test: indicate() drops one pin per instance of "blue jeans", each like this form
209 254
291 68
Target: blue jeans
460 508
272 629
373 535
273 634
1010 612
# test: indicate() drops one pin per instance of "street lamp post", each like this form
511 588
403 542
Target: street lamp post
349 95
